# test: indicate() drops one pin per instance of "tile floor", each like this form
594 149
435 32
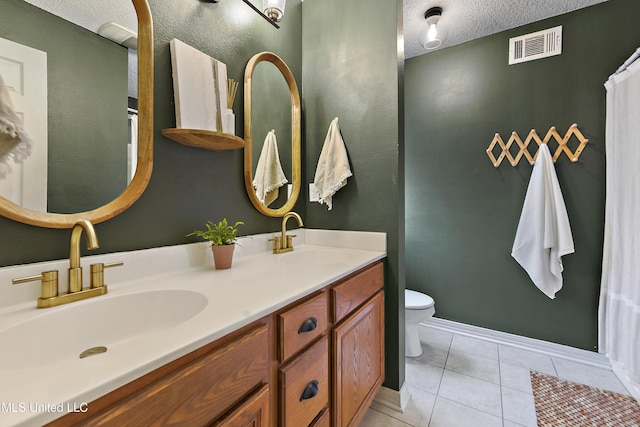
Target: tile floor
461 381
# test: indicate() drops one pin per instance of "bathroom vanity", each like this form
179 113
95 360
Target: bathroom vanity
284 340
292 339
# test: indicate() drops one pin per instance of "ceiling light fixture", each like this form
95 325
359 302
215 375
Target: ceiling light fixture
433 34
274 9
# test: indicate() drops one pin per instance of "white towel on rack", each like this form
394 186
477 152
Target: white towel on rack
333 166
15 144
269 176
544 234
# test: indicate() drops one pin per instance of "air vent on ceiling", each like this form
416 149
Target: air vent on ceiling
540 44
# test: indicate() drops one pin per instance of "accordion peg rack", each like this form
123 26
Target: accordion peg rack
533 136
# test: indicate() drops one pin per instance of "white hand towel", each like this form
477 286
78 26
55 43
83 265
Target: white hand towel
269 176
544 234
333 166
14 142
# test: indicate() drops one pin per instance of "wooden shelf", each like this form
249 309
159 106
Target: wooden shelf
207 139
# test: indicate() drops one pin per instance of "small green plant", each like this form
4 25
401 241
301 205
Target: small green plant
218 234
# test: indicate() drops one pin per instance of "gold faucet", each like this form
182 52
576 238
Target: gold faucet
49 291
284 242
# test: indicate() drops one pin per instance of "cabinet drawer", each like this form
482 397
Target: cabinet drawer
301 324
199 392
323 420
304 386
348 295
254 411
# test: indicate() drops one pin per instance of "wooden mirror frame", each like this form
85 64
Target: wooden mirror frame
145 145
295 134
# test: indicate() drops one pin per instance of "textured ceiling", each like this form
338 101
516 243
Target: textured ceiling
91 14
466 20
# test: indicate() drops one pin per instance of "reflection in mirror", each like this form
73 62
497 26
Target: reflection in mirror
271 111
95 150
272 103
82 110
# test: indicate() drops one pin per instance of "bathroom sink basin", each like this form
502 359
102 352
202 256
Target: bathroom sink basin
65 332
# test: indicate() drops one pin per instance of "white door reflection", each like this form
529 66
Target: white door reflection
24 71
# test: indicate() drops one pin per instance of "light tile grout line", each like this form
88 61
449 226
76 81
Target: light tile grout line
448 348
501 387
467 406
554 368
391 416
503 419
437 395
499 361
444 368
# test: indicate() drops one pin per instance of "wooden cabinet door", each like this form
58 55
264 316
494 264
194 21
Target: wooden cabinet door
253 412
358 362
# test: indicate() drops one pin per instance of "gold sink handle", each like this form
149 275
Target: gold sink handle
49 284
97 273
290 240
277 243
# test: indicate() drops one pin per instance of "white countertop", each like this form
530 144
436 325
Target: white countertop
259 283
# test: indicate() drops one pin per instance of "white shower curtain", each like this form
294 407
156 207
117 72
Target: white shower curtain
619 310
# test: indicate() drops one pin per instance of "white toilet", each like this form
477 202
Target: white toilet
417 307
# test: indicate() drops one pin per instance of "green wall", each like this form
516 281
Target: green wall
352 70
188 185
462 213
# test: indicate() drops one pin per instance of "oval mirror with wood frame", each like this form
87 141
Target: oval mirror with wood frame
122 199
271 108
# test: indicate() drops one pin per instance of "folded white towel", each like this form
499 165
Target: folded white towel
333 166
544 233
15 144
269 176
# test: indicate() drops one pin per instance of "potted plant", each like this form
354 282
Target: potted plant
222 237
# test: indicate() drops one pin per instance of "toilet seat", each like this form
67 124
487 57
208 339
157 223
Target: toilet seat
416 300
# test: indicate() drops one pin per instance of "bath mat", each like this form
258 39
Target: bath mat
561 403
